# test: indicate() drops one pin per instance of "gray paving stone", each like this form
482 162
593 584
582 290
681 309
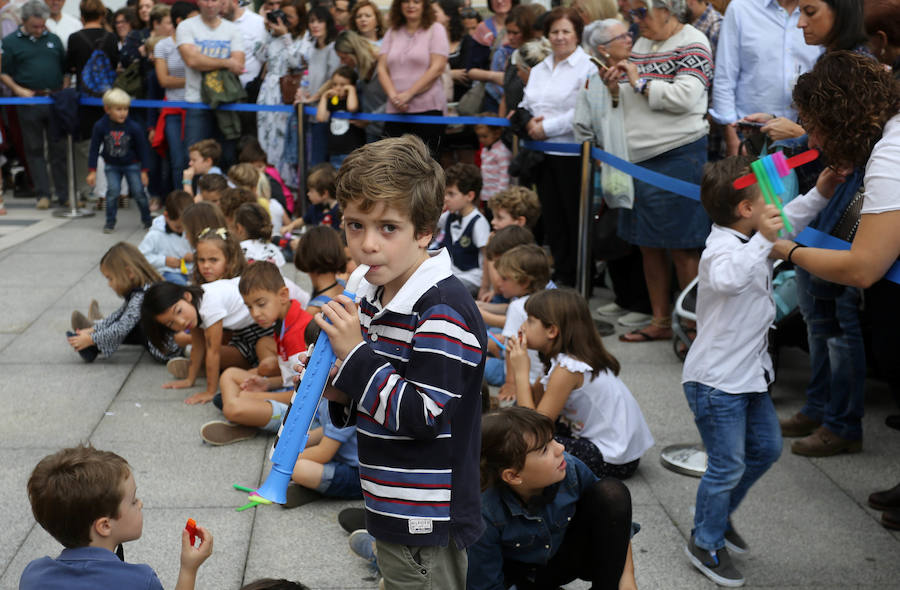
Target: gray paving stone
19 312
28 269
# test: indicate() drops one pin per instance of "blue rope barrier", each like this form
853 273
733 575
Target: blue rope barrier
423 119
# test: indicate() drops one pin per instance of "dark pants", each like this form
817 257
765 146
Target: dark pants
883 306
594 548
628 282
178 157
430 134
558 183
35 122
200 124
132 174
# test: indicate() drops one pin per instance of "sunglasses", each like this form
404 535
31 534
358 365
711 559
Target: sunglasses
639 13
622 37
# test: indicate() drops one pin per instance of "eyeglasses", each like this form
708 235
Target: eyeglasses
622 37
639 13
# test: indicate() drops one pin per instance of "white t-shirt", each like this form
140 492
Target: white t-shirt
219 43
515 317
882 178
253 29
67 25
166 50
480 234
603 411
222 301
258 250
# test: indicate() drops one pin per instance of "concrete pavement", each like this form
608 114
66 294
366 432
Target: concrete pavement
806 521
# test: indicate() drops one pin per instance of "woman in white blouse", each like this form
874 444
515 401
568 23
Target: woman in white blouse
550 97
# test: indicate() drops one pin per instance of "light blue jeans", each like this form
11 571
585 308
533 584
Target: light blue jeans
743 439
132 173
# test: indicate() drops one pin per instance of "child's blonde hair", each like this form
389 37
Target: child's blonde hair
235 263
526 264
578 337
244 175
116 97
398 172
208 149
518 201
128 267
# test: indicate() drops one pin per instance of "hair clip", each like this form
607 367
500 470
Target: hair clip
219 231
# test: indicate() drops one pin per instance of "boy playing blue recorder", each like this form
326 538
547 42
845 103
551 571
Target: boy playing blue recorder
412 360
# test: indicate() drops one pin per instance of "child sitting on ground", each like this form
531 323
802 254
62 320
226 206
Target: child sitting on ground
728 370
417 409
548 519
343 135
495 159
232 199
516 206
203 158
253 227
165 246
253 153
597 418
129 275
126 152
324 209
501 241
520 272
87 500
246 397
320 254
465 230
246 176
211 186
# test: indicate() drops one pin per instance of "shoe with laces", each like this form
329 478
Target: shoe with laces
798 425
824 443
715 565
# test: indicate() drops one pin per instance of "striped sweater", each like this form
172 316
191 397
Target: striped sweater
415 382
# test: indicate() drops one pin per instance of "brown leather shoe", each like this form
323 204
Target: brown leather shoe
798 425
886 500
824 443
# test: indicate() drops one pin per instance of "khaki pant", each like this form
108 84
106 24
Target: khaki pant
407 567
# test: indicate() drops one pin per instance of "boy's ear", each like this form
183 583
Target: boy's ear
188 296
101 528
424 238
510 477
284 295
745 209
471 196
520 221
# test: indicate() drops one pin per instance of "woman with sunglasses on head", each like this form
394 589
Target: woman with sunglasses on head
662 88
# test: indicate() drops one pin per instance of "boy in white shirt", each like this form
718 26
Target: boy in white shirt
728 370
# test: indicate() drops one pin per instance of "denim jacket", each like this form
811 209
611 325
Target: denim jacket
525 534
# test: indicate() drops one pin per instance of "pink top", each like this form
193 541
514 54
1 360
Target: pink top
495 161
408 57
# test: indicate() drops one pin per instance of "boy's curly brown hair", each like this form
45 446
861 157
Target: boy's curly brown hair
846 99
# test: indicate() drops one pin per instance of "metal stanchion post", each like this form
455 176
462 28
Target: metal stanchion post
301 162
73 210
583 274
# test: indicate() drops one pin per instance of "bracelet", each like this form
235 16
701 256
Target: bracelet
639 86
791 253
185 181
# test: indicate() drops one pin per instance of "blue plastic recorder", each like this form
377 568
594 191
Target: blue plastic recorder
294 431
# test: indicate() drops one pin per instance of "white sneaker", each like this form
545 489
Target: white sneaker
634 319
611 309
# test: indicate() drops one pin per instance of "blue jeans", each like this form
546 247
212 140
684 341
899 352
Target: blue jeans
743 439
200 124
132 174
178 157
836 389
175 277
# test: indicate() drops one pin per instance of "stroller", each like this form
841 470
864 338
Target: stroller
789 328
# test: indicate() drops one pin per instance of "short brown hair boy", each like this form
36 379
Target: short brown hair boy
321 251
504 240
212 183
518 201
717 193
398 172
322 179
232 198
527 265
176 203
72 488
208 149
465 177
262 275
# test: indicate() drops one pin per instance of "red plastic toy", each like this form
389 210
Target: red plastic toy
191 528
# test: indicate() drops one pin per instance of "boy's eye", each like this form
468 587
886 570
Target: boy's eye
354 225
389 228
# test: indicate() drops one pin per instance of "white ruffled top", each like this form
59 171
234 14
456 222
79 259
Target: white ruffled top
603 411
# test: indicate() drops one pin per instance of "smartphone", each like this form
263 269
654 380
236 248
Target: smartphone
596 61
750 124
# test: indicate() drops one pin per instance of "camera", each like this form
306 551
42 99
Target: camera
275 16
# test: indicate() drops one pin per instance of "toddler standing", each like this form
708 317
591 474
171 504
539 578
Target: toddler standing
126 152
495 159
728 370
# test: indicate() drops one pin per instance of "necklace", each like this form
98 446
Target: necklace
320 291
